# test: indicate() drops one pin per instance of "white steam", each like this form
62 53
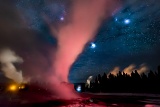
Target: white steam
88 82
7 58
143 68
114 71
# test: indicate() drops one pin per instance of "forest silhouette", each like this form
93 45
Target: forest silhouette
125 83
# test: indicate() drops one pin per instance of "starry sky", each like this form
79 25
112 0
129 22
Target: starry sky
130 36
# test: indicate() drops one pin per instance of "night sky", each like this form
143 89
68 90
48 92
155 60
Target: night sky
130 36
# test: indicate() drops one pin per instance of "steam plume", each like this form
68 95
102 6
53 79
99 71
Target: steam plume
88 82
7 58
115 71
128 70
141 69
84 21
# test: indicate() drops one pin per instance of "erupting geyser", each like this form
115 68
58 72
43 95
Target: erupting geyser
83 22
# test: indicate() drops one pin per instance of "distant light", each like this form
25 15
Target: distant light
93 45
12 87
127 21
79 88
22 87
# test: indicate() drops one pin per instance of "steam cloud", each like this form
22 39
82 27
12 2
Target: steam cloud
115 71
7 58
84 20
143 68
88 82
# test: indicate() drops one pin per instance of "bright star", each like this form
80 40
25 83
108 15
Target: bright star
62 18
127 21
116 19
93 45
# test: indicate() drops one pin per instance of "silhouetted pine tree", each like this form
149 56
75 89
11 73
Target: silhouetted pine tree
104 82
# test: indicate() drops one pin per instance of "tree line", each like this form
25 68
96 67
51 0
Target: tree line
125 83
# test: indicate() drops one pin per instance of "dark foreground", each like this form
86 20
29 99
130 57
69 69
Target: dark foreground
30 99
